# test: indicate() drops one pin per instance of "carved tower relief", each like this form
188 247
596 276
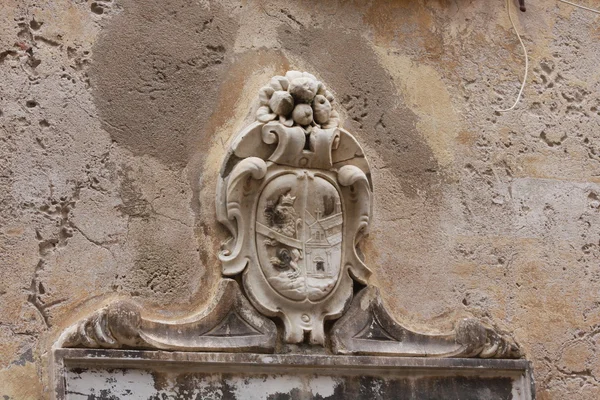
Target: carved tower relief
295 193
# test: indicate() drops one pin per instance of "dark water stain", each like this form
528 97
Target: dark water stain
238 72
156 75
377 115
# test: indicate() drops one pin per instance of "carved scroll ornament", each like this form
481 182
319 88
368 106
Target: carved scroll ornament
230 323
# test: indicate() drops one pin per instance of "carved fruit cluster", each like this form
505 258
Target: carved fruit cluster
297 98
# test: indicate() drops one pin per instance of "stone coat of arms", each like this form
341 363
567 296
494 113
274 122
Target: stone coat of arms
295 192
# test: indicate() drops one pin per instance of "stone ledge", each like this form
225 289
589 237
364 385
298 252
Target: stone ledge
83 372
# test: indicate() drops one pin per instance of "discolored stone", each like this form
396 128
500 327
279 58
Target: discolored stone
243 376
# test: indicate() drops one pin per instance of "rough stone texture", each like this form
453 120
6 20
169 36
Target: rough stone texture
114 117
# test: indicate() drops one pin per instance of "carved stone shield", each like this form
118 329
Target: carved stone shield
299 234
295 192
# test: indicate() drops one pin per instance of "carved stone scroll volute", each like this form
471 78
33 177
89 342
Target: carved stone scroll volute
243 182
228 323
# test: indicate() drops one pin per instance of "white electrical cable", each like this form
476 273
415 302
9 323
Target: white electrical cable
526 60
579 6
525 49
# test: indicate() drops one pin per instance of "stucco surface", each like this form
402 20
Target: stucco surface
115 115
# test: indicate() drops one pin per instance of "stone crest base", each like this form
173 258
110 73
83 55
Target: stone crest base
134 374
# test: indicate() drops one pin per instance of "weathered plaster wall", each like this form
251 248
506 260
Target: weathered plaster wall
114 117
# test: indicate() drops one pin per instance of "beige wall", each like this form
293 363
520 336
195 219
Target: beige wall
114 122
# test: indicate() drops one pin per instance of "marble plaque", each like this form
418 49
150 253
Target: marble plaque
132 374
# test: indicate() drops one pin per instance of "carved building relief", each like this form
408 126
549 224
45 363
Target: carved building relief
295 193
